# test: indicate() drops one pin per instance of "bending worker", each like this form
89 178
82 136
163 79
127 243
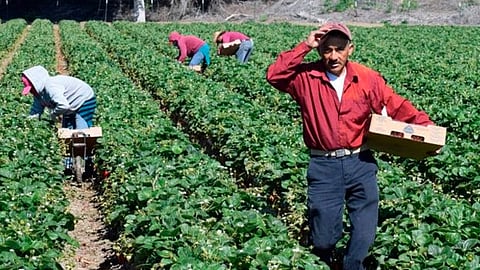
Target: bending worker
67 97
245 47
191 46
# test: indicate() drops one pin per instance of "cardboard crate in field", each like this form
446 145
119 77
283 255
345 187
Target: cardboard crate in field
403 139
229 48
88 136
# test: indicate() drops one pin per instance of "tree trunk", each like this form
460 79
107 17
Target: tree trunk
140 10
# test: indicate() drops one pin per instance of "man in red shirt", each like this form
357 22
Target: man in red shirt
191 46
336 98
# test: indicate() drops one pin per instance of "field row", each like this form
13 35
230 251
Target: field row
222 164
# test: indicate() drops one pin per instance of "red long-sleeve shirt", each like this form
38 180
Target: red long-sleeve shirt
329 124
187 46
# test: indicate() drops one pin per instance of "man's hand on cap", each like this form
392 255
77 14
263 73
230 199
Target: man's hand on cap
313 39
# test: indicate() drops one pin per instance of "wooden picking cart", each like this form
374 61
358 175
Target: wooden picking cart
79 146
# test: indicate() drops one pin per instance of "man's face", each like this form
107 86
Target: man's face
335 51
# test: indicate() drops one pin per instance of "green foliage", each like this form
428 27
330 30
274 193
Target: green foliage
32 203
156 192
214 179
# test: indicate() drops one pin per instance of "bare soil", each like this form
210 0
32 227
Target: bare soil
367 12
363 12
94 251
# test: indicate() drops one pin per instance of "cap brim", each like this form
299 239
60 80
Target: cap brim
26 90
335 27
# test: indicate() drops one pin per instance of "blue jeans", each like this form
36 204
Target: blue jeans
331 183
244 51
74 121
83 118
201 57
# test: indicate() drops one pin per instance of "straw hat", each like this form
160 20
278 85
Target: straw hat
216 35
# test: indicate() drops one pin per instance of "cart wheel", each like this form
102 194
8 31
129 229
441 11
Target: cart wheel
78 168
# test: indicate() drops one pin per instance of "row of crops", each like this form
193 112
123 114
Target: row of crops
207 171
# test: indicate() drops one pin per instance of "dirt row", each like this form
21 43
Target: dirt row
95 249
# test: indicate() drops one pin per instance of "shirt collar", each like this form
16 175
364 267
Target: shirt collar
352 75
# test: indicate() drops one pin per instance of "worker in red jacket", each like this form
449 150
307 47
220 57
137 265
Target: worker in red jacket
336 98
191 46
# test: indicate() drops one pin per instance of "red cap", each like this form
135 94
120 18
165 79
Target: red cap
331 26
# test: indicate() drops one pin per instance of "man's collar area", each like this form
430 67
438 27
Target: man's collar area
352 75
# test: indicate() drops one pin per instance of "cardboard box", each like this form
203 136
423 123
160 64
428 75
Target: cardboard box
81 137
66 133
403 139
229 48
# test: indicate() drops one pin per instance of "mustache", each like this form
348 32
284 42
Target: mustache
333 62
